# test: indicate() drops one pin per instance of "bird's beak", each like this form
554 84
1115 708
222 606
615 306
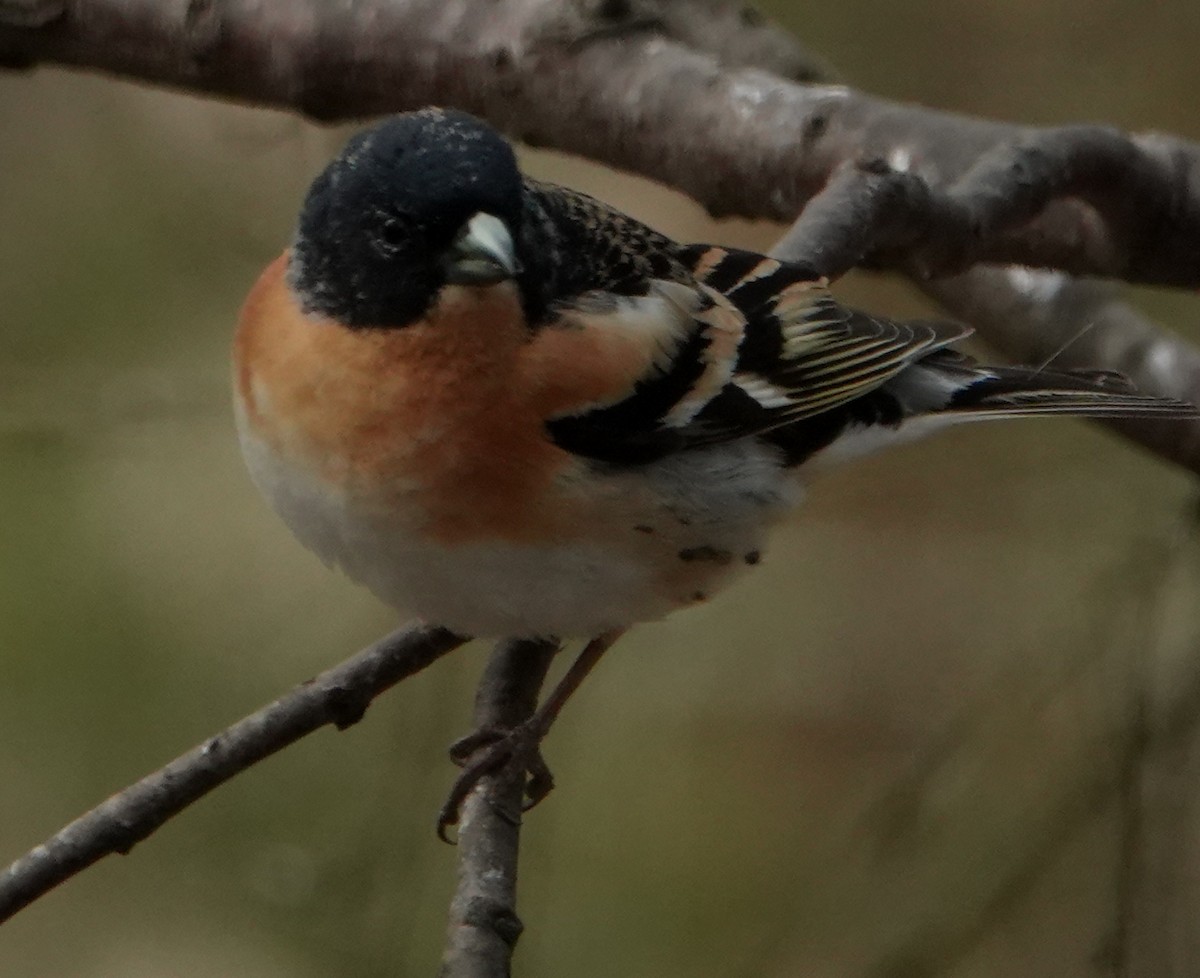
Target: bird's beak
482 254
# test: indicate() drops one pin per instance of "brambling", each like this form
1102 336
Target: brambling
513 411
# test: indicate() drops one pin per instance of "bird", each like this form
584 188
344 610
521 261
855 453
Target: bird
513 411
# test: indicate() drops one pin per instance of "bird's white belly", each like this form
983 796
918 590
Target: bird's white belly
503 589
658 539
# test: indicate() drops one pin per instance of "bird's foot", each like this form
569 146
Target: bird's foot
516 750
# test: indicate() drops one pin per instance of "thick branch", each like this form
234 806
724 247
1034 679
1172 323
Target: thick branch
654 86
484 926
617 82
339 696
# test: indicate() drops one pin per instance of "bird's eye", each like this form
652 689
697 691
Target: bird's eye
393 234
389 238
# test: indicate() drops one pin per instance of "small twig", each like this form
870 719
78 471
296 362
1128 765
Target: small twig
484 926
869 209
338 696
887 211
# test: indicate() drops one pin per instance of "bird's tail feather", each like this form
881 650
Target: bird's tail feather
948 388
954 386
953 389
1014 392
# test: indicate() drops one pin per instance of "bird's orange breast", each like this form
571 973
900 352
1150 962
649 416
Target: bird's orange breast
429 421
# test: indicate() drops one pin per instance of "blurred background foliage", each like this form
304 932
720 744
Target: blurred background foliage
894 750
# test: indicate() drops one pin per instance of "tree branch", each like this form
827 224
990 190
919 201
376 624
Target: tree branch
339 696
653 86
484 926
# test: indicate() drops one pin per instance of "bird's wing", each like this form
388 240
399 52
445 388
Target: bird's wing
736 345
703 344
803 354
622 378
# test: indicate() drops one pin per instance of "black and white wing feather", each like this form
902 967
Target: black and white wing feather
804 354
740 345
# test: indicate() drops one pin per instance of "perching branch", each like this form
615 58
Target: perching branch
484 926
339 696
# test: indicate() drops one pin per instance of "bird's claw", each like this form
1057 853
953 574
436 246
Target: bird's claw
489 750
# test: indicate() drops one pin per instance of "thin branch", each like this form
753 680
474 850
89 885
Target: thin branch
339 696
868 209
484 926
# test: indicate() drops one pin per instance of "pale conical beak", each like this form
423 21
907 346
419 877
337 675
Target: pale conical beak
482 254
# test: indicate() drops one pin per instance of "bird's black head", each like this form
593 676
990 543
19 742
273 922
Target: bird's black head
419 201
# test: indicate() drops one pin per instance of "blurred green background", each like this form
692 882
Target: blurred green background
894 750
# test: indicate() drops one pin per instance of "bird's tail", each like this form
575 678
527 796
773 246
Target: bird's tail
954 386
947 388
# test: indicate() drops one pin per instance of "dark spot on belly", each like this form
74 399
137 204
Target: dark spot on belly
710 554
699 596
643 528
752 558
